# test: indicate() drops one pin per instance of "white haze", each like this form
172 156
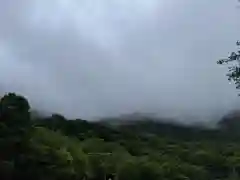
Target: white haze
96 58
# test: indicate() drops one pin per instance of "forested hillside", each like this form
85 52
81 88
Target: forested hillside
55 148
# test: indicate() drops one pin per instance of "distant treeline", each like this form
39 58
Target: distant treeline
55 148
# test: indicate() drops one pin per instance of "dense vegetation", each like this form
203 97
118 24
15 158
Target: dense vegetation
54 148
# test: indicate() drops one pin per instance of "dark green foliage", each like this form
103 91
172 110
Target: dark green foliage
14 110
234 69
55 148
52 153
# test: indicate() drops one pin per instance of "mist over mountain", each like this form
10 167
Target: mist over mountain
99 58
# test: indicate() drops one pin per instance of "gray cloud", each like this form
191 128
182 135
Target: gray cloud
102 58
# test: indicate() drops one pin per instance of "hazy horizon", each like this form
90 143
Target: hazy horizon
100 58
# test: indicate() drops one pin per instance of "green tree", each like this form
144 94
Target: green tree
234 68
14 110
51 155
96 169
139 169
129 171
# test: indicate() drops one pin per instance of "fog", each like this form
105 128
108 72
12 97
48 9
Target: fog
97 58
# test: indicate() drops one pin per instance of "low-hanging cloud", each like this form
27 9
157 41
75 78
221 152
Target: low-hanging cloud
94 58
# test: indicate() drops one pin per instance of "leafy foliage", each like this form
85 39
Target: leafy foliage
56 148
14 110
234 69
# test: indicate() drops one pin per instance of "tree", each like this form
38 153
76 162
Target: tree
129 171
234 69
50 155
139 169
14 109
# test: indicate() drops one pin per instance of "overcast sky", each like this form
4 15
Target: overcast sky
94 58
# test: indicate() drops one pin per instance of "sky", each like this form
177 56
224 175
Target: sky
98 58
